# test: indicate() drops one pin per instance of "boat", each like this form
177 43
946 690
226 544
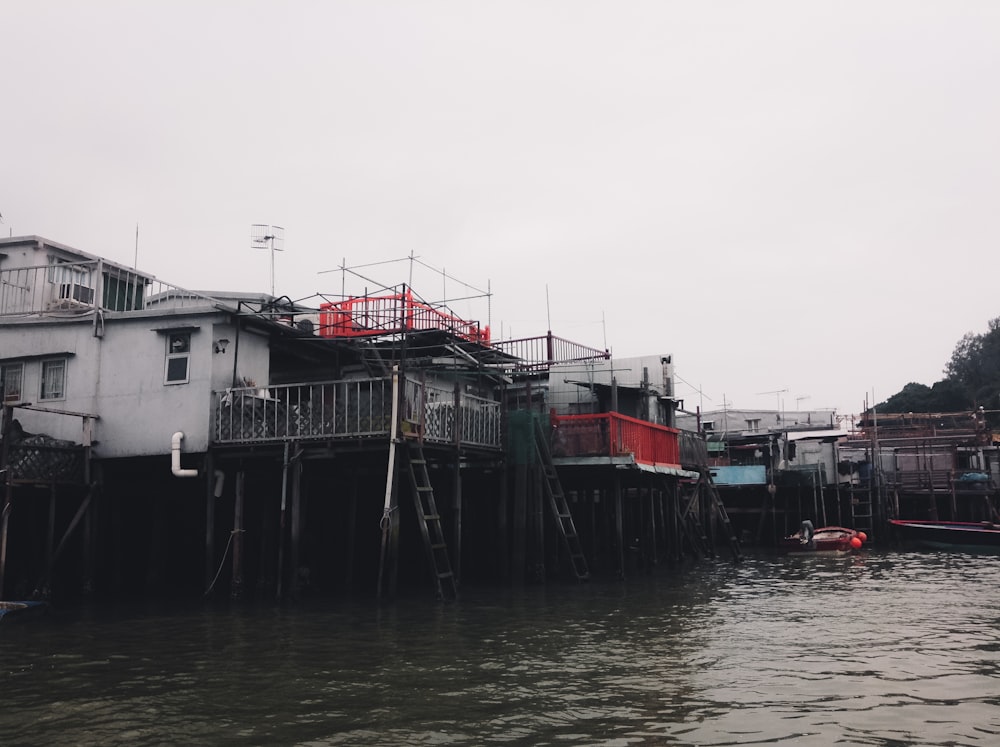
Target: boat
967 536
826 540
17 610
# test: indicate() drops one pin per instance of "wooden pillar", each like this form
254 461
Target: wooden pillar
503 534
298 513
280 574
210 499
352 517
619 537
519 560
50 538
5 419
456 559
651 502
537 503
236 586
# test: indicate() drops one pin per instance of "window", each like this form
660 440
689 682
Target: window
708 425
178 353
53 379
73 280
753 424
11 374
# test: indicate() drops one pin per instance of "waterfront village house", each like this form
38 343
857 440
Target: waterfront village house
175 437
100 355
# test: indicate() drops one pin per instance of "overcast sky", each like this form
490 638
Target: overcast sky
794 196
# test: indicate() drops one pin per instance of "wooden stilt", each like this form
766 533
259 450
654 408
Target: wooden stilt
280 573
296 538
456 542
50 537
236 585
518 550
53 555
352 518
5 419
388 556
210 499
619 536
503 534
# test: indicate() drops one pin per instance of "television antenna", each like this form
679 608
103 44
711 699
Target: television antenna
268 237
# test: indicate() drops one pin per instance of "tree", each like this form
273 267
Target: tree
975 365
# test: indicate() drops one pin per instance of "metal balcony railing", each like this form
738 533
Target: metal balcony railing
76 288
539 353
355 408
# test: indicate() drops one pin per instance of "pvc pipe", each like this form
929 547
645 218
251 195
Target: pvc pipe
175 457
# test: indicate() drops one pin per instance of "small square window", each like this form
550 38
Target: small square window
53 379
178 356
11 375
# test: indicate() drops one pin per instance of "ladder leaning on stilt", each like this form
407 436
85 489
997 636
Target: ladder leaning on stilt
430 522
559 506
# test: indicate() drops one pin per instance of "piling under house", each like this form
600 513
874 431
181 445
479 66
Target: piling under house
160 440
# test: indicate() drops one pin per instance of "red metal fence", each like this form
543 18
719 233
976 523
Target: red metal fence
367 316
612 434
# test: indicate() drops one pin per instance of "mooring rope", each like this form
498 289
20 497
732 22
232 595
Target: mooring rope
211 586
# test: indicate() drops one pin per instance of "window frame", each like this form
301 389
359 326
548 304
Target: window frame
171 357
60 395
19 367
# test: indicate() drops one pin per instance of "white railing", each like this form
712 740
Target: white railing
355 408
72 288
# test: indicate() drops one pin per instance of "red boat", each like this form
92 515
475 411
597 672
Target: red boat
830 540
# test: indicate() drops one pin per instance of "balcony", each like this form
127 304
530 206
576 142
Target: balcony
613 435
354 409
77 288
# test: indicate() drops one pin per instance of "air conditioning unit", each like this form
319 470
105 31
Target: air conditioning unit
76 292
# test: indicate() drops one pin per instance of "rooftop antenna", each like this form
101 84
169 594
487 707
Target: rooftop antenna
268 237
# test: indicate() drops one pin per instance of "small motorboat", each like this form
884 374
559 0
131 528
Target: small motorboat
829 540
966 536
17 610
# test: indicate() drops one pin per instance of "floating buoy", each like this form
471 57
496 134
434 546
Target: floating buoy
863 536
856 543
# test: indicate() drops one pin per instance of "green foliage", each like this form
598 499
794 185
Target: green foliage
972 379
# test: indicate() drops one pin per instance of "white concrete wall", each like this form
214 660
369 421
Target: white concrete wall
121 377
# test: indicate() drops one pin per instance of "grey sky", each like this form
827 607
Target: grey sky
784 195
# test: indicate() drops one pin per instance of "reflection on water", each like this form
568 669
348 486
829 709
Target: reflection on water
876 649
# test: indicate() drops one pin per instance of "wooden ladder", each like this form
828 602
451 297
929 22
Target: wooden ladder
430 522
559 506
727 525
691 525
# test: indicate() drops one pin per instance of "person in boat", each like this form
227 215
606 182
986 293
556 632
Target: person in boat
806 531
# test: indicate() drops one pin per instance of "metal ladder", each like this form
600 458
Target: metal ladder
862 516
559 506
430 523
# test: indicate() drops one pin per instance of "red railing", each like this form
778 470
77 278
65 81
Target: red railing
368 316
612 434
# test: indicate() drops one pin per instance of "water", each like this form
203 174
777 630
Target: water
876 649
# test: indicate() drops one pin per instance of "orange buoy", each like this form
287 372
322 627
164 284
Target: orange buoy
863 536
856 542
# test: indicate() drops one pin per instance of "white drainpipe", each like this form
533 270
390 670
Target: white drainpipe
175 457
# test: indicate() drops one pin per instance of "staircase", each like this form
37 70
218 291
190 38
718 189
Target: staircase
430 522
559 505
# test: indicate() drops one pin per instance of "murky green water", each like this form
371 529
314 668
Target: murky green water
876 649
